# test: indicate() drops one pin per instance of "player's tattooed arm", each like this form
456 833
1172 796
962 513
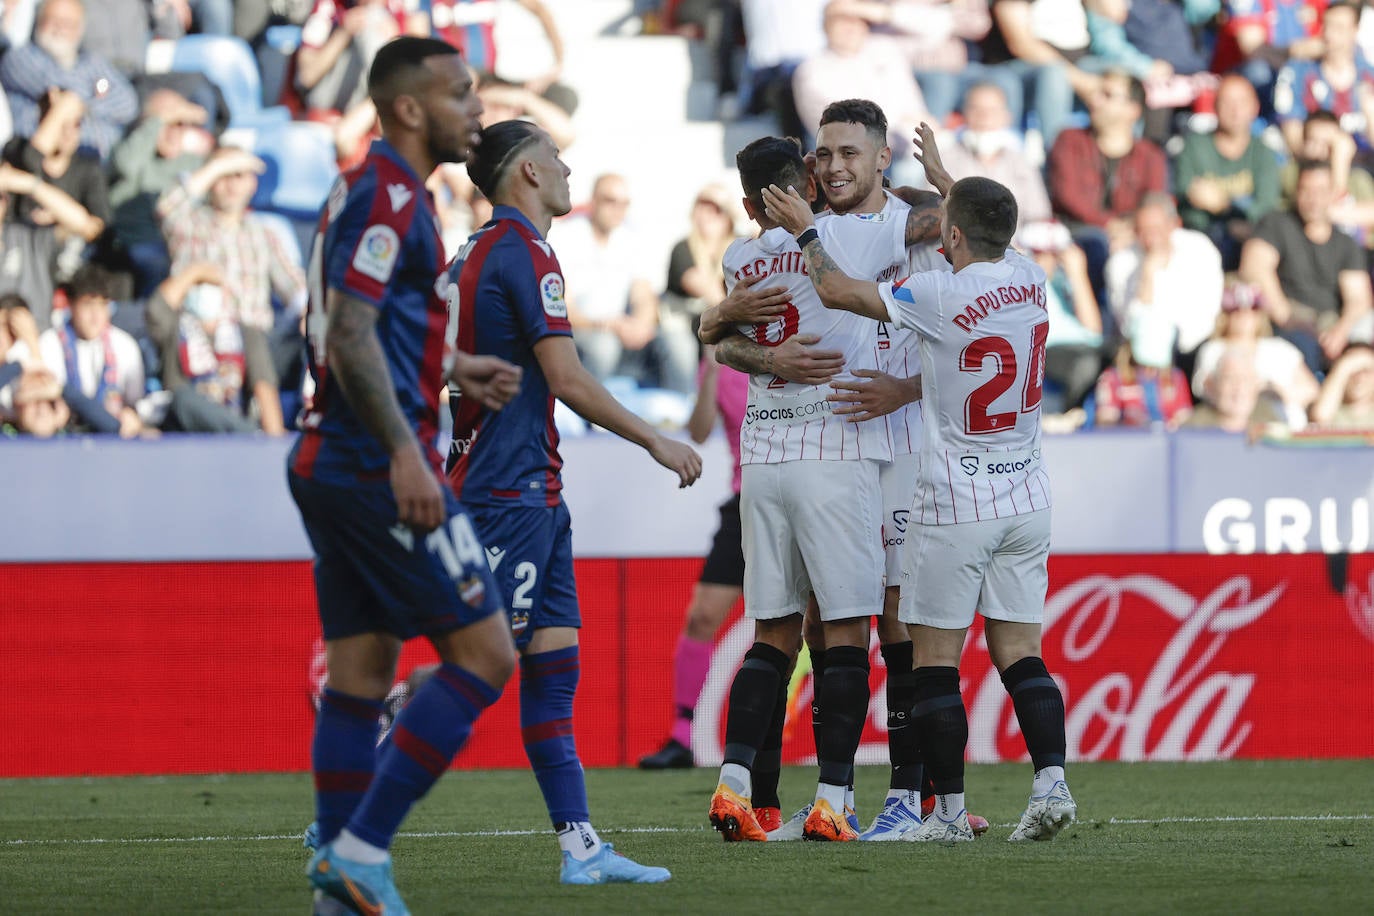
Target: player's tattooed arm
793 360
837 289
923 222
356 359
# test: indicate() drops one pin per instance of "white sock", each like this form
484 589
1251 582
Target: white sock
893 795
1045 780
353 849
832 794
947 807
579 840
737 779
849 797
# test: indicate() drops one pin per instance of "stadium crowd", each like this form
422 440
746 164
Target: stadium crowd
1194 175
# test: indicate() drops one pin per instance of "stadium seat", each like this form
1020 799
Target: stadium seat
301 168
226 61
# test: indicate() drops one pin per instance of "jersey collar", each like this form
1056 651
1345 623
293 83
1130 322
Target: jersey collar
383 148
505 212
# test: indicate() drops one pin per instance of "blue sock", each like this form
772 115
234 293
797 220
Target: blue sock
428 732
343 757
548 682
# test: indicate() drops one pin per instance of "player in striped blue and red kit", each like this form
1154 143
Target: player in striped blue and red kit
396 556
506 290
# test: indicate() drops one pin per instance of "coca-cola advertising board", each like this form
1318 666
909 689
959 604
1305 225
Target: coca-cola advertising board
191 668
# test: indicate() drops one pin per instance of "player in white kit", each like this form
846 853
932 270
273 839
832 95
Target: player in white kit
809 504
981 521
875 234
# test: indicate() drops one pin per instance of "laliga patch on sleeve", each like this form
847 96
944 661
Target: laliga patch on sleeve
376 254
551 294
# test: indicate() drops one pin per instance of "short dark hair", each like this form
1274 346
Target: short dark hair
13 301
858 111
399 61
985 212
1133 85
770 160
1321 116
90 280
490 162
1313 165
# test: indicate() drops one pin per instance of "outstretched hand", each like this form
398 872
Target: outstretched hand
787 208
928 154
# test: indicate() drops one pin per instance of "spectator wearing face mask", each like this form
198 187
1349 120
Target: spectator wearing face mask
211 364
989 146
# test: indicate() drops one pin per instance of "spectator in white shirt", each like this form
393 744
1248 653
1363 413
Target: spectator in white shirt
1171 272
94 360
612 307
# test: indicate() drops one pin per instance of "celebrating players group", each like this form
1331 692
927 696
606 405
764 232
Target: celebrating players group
888 378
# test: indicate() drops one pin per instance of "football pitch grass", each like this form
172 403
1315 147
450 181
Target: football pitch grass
1253 837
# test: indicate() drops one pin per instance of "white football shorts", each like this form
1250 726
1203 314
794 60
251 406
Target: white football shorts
995 567
897 478
811 526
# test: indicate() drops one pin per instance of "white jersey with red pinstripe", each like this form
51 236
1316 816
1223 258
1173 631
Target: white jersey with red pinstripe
786 421
982 339
902 355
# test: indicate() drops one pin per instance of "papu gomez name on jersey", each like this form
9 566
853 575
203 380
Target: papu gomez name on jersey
993 301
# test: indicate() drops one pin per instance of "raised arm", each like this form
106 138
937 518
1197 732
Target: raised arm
837 289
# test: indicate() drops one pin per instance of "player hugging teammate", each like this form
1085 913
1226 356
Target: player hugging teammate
978 535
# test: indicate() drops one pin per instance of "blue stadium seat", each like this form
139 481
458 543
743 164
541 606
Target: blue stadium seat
301 168
228 62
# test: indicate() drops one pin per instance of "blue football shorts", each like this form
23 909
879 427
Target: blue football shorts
529 552
373 574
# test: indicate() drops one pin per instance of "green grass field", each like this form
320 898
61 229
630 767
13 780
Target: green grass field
1276 837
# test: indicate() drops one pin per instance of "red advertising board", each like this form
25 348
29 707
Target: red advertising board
189 668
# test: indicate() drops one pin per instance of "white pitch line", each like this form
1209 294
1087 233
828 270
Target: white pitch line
539 831
1239 819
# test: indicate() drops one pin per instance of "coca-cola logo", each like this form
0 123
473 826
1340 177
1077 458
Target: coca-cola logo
1360 603
1136 659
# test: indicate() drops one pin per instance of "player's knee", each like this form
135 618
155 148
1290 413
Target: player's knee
783 635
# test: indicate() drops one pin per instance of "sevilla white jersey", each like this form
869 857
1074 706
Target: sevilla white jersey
982 333
903 353
786 421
